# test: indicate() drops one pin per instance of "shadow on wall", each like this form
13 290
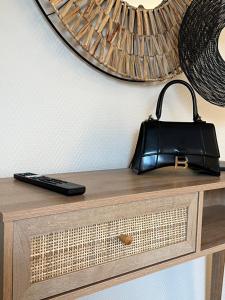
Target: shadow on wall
183 282
209 112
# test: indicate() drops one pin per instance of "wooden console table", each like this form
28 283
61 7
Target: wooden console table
124 227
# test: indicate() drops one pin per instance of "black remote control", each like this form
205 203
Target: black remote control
56 185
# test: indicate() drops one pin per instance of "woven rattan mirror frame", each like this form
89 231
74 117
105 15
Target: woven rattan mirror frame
200 58
129 43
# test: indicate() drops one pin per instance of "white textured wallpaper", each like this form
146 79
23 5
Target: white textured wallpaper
57 114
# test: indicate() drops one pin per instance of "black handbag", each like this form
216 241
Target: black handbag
180 144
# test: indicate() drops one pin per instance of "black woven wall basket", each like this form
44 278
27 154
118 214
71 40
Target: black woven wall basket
198 49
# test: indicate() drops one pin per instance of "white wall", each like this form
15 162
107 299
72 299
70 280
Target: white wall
57 115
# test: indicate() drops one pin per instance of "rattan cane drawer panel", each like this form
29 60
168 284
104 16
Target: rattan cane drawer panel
63 252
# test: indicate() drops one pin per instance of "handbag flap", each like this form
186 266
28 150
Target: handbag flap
179 138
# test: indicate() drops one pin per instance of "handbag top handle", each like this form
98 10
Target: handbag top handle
196 117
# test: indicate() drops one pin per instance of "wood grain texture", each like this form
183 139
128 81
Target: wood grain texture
218 262
199 221
6 269
20 200
208 276
213 233
1 258
25 230
109 193
87 217
212 198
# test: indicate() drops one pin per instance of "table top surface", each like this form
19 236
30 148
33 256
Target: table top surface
20 200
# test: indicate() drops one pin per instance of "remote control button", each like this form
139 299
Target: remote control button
27 174
49 180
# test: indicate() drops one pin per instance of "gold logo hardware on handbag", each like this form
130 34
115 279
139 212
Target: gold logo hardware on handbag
181 162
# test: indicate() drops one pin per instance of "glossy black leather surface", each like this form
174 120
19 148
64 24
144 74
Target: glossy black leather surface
160 143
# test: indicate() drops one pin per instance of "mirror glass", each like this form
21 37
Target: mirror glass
221 44
148 4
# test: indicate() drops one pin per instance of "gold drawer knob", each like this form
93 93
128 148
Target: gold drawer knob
126 239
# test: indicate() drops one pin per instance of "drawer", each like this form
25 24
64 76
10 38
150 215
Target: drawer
59 253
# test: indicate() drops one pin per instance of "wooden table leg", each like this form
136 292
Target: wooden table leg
218 263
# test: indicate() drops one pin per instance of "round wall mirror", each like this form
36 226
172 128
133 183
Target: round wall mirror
221 44
133 40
